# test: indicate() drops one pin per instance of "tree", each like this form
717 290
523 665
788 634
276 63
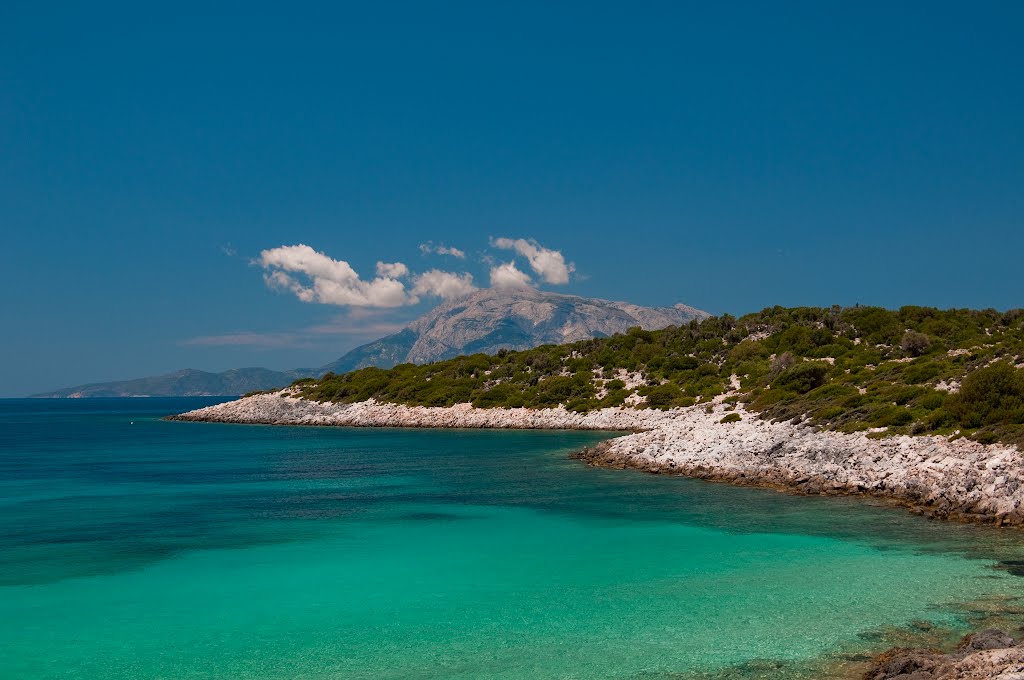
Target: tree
782 362
915 344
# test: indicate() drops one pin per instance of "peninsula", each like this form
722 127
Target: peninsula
921 406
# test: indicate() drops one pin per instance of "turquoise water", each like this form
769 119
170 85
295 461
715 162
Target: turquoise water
131 547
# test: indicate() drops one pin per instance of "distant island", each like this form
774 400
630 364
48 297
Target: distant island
920 405
187 382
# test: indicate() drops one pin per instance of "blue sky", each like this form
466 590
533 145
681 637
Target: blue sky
726 155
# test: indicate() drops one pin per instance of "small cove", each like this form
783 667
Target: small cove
135 547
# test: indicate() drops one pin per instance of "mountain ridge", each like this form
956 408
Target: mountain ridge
483 322
493 319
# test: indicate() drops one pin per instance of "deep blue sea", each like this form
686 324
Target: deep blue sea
133 547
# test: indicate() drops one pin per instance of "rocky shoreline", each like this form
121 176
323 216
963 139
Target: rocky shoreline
988 653
959 479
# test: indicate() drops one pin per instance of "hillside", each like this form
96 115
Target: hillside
185 383
494 319
912 371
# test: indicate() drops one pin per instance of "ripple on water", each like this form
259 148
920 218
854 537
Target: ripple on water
182 550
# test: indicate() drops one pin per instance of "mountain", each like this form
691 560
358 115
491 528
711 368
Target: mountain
186 383
494 319
486 321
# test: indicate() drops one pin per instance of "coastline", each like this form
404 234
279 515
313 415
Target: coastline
986 653
933 476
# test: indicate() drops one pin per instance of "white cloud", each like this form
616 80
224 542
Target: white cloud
429 247
281 281
549 264
509 276
332 282
392 270
314 277
445 285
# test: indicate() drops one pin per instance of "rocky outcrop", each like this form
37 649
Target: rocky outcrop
937 477
958 479
494 319
280 408
987 654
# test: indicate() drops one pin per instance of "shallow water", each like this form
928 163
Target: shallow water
132 547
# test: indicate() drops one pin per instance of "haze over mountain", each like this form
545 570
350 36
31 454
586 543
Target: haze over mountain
485 321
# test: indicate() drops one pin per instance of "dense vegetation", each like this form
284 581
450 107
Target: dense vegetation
916 370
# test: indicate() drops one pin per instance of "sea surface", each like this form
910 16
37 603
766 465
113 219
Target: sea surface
133 547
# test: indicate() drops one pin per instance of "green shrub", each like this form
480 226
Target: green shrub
829 412
993 395
707 369
891 415
932 400
614 398
561 389
582 405
747 350
680 363
941 419
904 395
771 397
922 370
664 396
874 324
833 391
500 395
802 378
731 418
